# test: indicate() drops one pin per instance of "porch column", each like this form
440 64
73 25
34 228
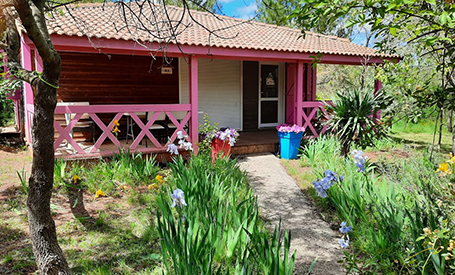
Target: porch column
299 93
314 71
377 89
26 59
193 97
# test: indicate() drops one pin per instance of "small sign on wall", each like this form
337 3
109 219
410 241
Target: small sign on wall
166 70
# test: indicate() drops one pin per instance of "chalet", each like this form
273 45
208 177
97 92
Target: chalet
245 75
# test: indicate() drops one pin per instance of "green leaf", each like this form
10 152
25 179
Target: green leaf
430 40
350 22
443 17
393 31
431 2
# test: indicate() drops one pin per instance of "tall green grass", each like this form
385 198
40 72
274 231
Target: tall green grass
219 231
107 174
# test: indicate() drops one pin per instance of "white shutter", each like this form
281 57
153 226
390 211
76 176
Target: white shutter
219 90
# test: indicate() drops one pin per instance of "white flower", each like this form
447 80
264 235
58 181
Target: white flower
172 148
180 135
223 135
231 141
188 146
182 143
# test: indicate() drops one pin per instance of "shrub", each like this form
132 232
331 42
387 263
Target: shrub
351 118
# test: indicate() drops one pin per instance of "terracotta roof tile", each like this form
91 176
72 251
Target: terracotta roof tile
107 21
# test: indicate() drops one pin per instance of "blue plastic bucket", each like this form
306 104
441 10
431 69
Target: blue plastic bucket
289 144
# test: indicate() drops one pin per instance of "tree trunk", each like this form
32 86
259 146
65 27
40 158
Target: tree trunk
449 120
441 123
49 255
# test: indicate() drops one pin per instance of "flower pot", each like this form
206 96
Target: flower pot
220 147
289 144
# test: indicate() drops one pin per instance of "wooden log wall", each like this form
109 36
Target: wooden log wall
116 79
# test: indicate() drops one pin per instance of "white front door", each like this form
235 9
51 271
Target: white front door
270 94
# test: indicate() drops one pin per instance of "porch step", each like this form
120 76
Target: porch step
254 149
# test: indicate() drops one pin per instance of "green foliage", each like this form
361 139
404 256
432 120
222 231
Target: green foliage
313 151
206 127
219 230
350 118
401 213
277 12
409 82
427 25
107 175
8 86
23 179
343 78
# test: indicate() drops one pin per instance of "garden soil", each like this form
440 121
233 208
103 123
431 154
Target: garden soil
280 198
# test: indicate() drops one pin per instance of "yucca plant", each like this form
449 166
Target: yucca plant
351 118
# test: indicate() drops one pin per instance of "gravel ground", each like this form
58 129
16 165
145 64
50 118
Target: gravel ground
279 196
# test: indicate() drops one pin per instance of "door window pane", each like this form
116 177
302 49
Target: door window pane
269 81
269 112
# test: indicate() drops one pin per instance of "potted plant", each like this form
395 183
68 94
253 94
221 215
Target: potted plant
221 142
289 137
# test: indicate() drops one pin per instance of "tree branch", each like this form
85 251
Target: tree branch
33 19
13 52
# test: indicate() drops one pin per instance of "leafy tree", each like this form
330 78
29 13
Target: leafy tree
48 254
428 24
278 12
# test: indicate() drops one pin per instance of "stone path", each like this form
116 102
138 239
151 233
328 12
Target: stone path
279 195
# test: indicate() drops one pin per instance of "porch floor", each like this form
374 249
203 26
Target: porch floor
262 141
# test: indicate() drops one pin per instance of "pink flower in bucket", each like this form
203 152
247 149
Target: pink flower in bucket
288 128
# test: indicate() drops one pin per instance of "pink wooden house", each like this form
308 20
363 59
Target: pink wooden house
249 76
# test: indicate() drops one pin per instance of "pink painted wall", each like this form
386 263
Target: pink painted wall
290 93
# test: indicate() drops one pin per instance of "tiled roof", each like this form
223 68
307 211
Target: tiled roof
107 21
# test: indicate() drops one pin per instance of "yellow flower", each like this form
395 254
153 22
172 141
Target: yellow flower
99 193
159 178
76 178
116 122
115 130
444 168
452 159
153 186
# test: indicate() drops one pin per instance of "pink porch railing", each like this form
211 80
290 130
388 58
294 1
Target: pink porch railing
314 114
118 111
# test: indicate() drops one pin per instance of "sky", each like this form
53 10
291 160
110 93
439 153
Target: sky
244 9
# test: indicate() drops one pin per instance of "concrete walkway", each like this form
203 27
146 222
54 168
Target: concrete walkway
279 196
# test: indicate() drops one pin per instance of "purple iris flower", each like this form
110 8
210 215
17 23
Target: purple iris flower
345 229
178 198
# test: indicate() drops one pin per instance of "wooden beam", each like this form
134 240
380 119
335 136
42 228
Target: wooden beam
194 102
26 59
113 46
